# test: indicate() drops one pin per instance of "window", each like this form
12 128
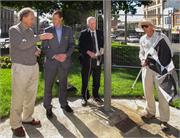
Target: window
4 27
159 12
167 20
159 20
4 14
1 14
177 21
152 12
177 16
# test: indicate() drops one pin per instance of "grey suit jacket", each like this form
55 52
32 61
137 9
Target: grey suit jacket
53 47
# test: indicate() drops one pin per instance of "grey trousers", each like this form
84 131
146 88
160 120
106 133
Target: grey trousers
52 71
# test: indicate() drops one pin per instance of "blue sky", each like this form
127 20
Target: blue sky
174 3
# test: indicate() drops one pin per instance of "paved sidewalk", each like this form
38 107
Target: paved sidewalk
86 122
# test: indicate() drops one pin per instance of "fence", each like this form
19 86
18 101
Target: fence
127 55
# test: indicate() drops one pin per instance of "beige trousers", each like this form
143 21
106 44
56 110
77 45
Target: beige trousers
149 79
24 90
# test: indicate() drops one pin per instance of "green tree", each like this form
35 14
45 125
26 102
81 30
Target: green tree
127 6
75 12
40 6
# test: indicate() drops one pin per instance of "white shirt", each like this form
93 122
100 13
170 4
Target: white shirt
96 42
147 42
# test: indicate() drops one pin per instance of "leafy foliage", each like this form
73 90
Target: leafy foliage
128 5
76 11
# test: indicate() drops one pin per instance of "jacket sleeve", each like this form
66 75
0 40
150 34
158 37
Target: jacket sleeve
17 40
82 44
141 53
46 49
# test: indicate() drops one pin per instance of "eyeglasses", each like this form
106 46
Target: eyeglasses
144 26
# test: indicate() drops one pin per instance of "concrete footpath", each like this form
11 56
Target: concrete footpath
90 122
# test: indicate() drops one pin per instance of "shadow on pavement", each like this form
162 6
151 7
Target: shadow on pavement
32 131
172 130
83 129
129 128
63 131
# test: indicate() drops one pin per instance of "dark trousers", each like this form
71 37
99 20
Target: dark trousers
86 72
52 72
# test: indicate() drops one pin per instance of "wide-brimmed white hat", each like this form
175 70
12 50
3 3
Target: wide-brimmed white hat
145 22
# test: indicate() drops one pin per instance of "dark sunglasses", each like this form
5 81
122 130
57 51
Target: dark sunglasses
144 26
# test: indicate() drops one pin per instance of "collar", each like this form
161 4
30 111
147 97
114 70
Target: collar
91 30
23 27
153 35
58 27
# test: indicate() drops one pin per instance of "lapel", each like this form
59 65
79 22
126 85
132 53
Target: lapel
62 35
55 35
89 37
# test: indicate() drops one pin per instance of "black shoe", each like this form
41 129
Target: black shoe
67 108
49 113
84 102
164 126
19 132
98 100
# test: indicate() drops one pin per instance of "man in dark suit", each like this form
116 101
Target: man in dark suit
57 61
90 48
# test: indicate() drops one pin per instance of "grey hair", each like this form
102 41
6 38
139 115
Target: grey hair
90 18
24 12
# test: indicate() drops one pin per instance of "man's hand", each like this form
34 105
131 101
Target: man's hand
60 57
46 36
38 52
144 63
91 54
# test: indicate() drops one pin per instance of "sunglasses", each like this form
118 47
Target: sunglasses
144 26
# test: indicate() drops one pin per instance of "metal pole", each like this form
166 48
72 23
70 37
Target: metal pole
96 16
107 54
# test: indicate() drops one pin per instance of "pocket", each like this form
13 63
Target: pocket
66 64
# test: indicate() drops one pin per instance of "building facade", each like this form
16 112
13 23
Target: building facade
7 20
154 12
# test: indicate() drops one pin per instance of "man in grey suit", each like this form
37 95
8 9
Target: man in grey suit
57 61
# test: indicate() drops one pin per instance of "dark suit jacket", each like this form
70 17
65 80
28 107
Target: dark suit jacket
85 44
52 47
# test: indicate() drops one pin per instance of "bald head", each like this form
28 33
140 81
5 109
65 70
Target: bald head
91 23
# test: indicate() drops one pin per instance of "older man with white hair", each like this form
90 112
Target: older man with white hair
91 50
25 71
157 66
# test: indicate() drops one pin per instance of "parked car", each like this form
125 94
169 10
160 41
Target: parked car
133 39
113 36
4 43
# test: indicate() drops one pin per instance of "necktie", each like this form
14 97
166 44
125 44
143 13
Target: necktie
93 42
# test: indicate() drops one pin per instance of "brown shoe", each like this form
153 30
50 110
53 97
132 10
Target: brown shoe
164 126
148 116
33 122
19 132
